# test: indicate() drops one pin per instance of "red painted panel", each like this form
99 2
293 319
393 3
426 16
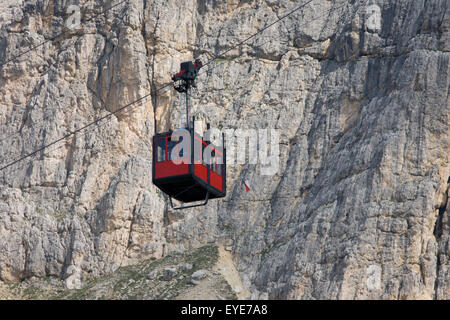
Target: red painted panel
201 171
215 180
169 169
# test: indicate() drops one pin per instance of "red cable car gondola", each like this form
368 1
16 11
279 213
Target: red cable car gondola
185 166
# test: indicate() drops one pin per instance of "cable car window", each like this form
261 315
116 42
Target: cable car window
212 161
203 158
198 150
161 150
208 157
218 165
180 152
170 146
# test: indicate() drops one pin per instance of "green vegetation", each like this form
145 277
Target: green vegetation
136 282
226 228
132 282
59 215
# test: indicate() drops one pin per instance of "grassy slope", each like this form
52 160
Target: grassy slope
132 282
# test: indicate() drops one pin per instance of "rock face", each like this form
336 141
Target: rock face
358 207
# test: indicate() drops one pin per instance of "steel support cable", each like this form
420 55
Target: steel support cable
58 35
96 121
258 32
48 40
90 124
211 67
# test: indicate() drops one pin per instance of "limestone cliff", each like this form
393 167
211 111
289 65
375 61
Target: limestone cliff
359 206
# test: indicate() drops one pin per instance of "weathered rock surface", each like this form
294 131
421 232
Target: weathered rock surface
169 273
187 267
359 206
197 276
